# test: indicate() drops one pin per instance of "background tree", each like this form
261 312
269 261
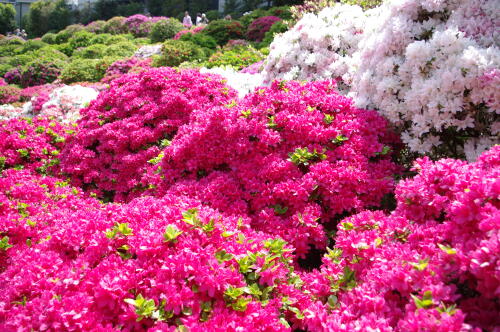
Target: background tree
45 16
7 18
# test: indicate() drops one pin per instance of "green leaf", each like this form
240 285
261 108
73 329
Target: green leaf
191 217
339 139
425 302
119 229
297 312
279 210
447 249
143 308
157 159
223 256
334 254
421 265
233 293
328 119
347 226
171 233
240 304
332 301
4 243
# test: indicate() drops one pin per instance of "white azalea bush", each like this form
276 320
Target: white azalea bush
244 83
430 67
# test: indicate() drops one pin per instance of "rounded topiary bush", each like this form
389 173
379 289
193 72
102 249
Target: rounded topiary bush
130 123
123 49
32 45
258 28
86 70
115 25
200 39
223 30
238 58
81 39
49 38
175 52
165 29
94 51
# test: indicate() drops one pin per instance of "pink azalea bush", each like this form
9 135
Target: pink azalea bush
193 31
2 82
124 66
9 94
258 28
432 264
32 144
130 123
156 264
292 157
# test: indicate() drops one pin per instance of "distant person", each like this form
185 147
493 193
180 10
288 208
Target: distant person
187 20
24 35
228 17
204 19
198 19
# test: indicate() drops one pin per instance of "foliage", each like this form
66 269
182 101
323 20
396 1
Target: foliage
7 18
165 29
175 52
276 28
9 94
238 58
89 70
223 31
45 16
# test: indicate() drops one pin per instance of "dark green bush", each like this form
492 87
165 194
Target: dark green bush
81 39
64 48
123 49
32 45
86 70
9 50
165 29
223 31
200 39
115 25
49 38
101 38
63 37
94 51
238 58
175 52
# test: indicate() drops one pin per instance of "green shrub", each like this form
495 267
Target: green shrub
96 26
101 38
12 41
94 51
4 68
86 70
223 31
123 49
200 39
74 28
33 45
49 38
365 4
238 58
141 41
9 50
63 37
115 25
119 39
175 52
81 39
165 29
64 48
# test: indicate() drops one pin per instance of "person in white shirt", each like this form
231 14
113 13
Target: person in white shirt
187 20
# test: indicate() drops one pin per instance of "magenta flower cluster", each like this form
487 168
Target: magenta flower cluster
131 122
258 28
193 31
175 206
140 25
